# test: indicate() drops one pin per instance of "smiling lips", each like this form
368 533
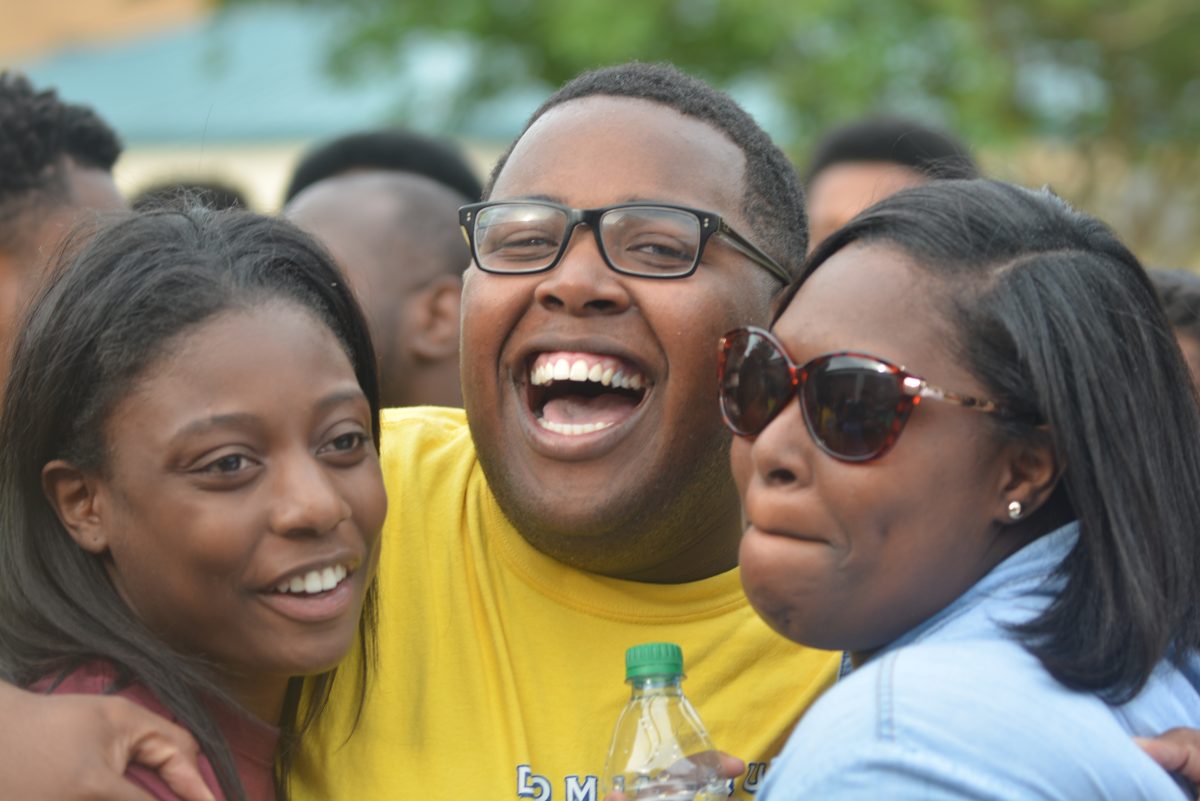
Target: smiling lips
314 581
318 595
575 393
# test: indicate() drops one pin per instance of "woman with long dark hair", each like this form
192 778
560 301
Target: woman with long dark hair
190 492
967 453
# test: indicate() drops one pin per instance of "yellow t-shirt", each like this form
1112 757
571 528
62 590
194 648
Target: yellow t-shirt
501 671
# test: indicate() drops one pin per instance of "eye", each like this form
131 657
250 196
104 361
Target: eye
347 448
522 244
348 442
657 247
230 464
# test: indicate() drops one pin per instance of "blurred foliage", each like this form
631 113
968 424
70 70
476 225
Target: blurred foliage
1118 81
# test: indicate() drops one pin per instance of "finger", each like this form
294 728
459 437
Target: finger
731 766
175 761
1176 751
154 742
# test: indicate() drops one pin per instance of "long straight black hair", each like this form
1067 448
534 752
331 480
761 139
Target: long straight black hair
132 289
1058 320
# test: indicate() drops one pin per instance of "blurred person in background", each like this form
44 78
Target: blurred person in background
392 149
56 162
1180 294
396 237
857 165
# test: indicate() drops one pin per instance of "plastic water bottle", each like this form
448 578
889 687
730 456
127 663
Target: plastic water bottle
660 750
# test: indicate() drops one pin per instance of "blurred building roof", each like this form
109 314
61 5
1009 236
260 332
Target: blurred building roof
31 28
250 74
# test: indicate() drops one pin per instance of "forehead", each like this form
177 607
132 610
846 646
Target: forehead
843 190
92 188
239 357
599 150
347 217
871 298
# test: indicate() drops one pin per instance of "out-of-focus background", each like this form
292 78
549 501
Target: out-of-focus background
1097 98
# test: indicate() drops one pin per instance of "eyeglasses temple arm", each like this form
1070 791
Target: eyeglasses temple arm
923 389
748 250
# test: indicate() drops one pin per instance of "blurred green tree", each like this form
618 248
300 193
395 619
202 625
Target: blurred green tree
1108 88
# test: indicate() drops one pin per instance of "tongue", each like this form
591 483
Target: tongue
606 408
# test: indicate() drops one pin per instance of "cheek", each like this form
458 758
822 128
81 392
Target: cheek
368 498
740 464
787 582
491 308
480 312
167 572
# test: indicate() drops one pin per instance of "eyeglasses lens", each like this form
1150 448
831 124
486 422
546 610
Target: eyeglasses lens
518 237
651 241
854 406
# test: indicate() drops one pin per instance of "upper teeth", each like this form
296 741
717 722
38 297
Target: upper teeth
546 371
314 581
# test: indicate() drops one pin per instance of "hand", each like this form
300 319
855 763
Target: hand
731 767
1177 750
76 748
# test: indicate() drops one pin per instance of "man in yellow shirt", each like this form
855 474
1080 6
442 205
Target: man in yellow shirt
584 503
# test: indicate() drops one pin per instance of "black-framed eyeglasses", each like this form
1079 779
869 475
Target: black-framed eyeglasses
854 405
649 240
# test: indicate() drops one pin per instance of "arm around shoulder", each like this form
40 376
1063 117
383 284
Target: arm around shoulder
77 747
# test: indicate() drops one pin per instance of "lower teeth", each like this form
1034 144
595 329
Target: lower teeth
572 429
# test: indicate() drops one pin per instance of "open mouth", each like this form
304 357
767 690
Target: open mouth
580 393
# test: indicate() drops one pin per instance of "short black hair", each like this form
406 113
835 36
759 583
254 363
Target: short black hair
387 149
182 193
772 199
135 286
932 152
37 132
1059 322
1179 291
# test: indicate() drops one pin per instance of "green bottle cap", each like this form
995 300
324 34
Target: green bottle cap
653 659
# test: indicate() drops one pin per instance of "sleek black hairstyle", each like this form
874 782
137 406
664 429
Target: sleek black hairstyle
892 140
387 149
210 193
37 132
772 198
1060 324
1180 294
138 285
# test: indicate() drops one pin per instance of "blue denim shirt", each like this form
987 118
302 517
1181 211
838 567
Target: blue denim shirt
958 709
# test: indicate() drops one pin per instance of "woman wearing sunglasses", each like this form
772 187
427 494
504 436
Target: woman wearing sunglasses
968 456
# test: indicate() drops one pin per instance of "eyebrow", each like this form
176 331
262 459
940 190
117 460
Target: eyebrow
246 420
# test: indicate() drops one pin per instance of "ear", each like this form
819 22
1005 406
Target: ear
77 497
432 319
1031 473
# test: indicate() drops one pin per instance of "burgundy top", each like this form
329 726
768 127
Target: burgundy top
251 741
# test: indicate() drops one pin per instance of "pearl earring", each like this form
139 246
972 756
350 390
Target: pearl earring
1014 510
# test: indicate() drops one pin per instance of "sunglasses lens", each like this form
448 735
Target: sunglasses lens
854 406
755 382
